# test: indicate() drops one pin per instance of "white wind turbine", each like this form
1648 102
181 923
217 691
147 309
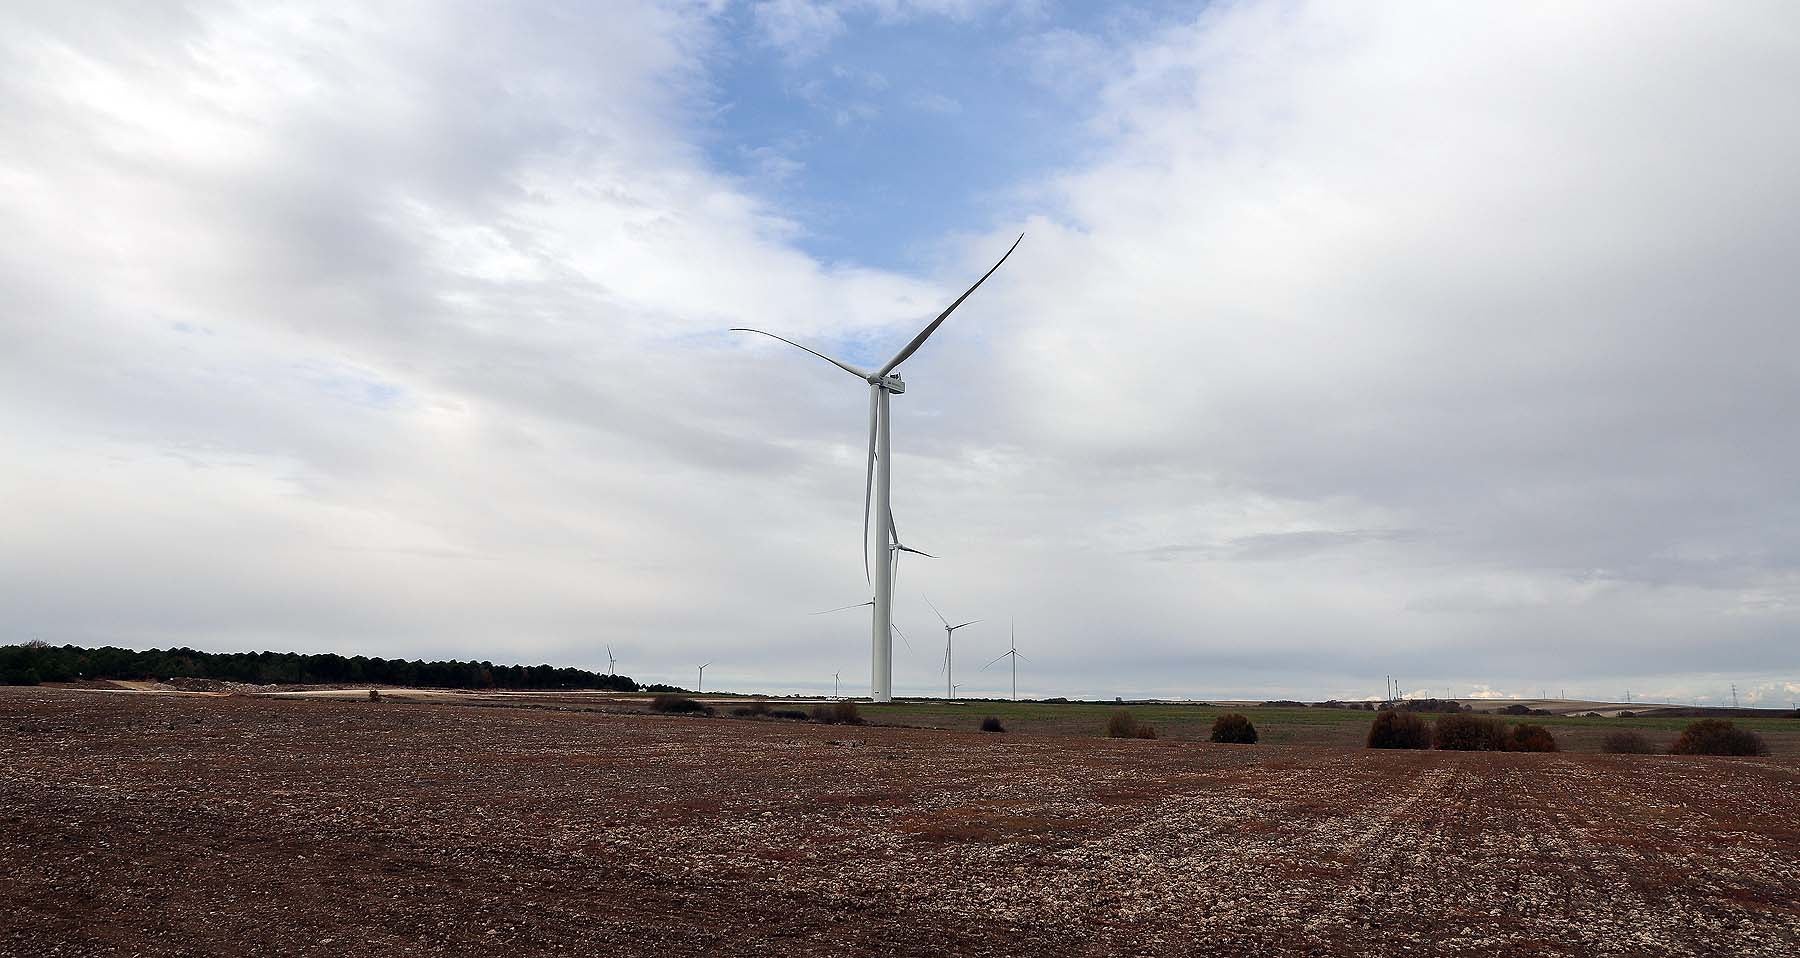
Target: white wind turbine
612 664
877 480
700 686
1014 654
949 661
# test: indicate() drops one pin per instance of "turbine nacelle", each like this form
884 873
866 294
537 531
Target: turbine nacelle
893 384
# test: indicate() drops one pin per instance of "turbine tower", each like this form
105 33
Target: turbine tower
701 685
877 482
949 635
1011 653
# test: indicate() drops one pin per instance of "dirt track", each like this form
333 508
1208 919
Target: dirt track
140 825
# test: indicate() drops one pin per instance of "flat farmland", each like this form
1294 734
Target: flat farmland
193 825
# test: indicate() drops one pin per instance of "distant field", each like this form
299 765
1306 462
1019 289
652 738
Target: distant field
1281 726
198 825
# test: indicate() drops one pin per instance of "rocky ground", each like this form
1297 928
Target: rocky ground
196 825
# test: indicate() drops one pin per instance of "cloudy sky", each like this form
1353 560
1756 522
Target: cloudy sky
1451 341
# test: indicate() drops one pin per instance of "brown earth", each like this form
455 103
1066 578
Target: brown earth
188 825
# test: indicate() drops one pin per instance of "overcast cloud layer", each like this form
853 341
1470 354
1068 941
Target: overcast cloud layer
1452 342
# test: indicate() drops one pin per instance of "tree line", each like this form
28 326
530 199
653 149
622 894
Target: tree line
34 662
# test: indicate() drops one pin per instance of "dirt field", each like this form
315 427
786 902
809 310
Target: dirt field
194 825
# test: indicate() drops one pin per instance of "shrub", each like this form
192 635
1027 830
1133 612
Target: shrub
1527 737
1144 731
1393 729
837 713
1283 704
374 695
795 714
992 724
1469 733
1433 705
1121 724
676 703
1627 743
1233 729
1718 737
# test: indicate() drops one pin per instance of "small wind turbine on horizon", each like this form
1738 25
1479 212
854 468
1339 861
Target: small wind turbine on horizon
700 686
1011 653
612 664
949 636
877 481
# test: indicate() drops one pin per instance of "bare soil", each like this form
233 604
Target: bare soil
200 825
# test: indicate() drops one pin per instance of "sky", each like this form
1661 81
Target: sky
1448 341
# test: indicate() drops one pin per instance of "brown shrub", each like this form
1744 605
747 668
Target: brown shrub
1628 743
676 703
1469 733
838 713
1393 729
1527 737
1121 724
1233 729
1144 731
1718 737
992 724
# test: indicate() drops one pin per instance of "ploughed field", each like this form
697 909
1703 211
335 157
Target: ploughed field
190 825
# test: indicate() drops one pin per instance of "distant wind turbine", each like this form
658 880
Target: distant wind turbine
700 686
877 479
949 636
612 664
1011 653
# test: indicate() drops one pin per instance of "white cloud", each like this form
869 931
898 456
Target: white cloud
1447 343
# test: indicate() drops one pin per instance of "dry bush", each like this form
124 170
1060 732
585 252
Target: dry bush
1121 724
1469 733
1393 729
992 724
374 695
1234 729
1144 730
837 713
1718 737
1433 705
675 704
794 714
1527 737
1628 743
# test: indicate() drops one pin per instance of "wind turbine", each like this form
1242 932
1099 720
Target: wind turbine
612 664
877 482
1011 653
700 686
949 635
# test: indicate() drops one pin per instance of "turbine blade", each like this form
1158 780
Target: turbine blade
869 479
993 660
940 615
1020 655
902 636
913 551
925 333
846 367
953 628
843 607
